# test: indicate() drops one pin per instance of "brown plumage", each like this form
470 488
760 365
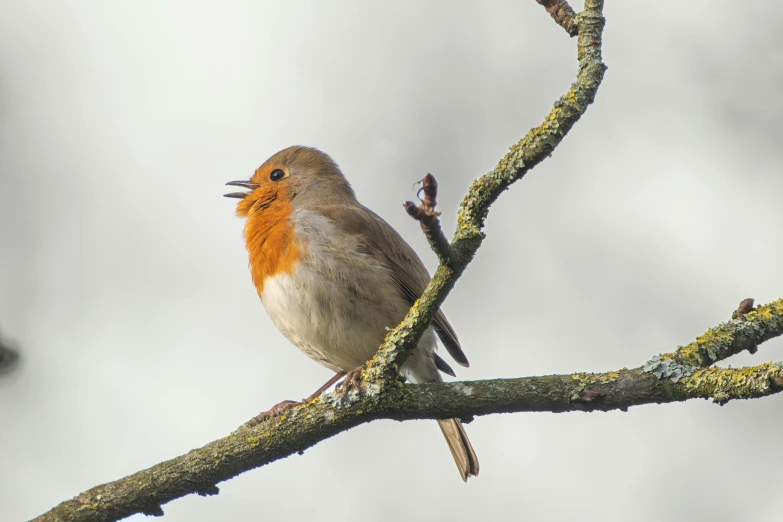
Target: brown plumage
333 276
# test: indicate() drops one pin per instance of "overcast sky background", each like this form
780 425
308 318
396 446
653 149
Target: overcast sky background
124 281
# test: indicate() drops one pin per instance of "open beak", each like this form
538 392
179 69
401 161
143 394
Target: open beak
241 195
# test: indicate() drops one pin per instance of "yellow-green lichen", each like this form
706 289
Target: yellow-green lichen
707 348
724 384
729 338
585 380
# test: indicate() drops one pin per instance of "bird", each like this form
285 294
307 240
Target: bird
333 276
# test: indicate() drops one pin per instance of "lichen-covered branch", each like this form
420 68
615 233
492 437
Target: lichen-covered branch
531 150
617 390
252 446
744 332
684 374
200 470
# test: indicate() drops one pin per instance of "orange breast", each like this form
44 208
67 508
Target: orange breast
270 239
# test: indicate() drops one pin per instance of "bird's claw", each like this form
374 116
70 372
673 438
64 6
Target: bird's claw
353 379
274 411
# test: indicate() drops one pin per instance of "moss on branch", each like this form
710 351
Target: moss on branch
732 337
531 150
200 470
253 446
250 447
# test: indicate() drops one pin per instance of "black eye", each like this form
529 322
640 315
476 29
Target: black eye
277 175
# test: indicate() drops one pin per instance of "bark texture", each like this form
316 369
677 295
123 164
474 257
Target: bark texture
663 379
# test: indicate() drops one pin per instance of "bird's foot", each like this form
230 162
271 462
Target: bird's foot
274 411
281 408
353 379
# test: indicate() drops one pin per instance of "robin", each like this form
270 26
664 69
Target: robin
333 276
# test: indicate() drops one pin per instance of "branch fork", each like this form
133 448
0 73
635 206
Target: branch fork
384 394
684 374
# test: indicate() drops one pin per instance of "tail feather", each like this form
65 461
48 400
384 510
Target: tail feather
460 447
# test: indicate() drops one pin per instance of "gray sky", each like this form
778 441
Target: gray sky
124 281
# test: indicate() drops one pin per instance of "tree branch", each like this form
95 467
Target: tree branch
200 470
531 150
684 374
748 328
681 375
250 447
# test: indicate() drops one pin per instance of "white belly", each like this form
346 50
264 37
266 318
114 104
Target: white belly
328 321
338 303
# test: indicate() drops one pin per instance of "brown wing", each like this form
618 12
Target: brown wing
385 244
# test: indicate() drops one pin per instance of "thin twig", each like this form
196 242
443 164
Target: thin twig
427 217
725 340
531 150
561 13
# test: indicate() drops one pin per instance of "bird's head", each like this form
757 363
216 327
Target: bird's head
299 176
